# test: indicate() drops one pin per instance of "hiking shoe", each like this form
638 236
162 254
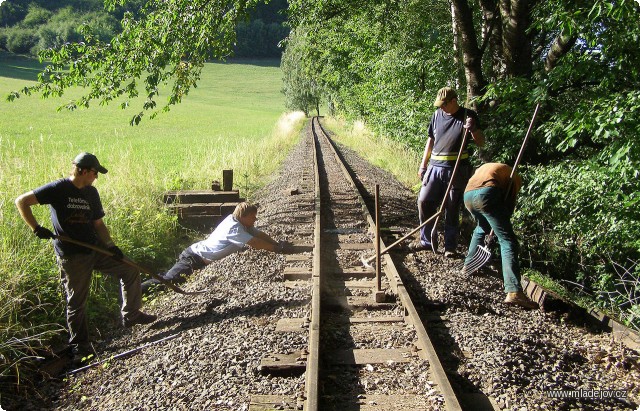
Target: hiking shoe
519 298
418 246
450 254
138 318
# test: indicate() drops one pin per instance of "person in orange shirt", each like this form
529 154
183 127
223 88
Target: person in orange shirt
490 197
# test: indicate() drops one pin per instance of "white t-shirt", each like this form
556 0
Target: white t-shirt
228 237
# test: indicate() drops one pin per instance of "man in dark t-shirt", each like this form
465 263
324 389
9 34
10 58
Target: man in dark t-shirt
76 212
446 131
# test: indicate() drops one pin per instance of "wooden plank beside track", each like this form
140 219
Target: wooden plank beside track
294 363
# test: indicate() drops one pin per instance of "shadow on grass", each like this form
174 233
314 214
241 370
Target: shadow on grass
19 67
260 62
25 68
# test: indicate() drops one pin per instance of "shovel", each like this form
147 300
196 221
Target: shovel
130 263
483 252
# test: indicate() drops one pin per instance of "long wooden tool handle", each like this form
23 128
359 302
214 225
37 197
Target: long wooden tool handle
524 144
123 354
130 263
518 158
409 234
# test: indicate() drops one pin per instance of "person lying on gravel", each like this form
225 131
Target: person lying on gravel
231 235
76 212
490 204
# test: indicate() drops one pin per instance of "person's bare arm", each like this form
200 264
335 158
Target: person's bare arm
476 133
264 236
261 243
24 203
478 137
425 157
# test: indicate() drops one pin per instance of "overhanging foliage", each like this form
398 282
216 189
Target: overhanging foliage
167 43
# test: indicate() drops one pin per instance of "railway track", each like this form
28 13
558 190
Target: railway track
362 329
345 350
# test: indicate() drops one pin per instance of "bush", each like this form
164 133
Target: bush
579 219
20 41
36 17
55 34
3 39
11 14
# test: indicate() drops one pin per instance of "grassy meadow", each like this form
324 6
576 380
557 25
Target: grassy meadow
233 120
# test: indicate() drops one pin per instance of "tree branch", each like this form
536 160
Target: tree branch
560 47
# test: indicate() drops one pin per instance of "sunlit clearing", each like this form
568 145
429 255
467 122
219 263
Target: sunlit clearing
289 122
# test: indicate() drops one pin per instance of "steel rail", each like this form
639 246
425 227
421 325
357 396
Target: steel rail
424 342
312 373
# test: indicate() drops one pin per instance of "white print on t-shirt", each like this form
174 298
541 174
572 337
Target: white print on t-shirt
78 203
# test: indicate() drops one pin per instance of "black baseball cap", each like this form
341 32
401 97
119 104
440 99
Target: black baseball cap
88 160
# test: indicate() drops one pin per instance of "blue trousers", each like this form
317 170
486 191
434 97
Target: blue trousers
434 184
488 208
187 263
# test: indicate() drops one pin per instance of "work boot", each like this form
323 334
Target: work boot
81 354
150 284
138 318
519 298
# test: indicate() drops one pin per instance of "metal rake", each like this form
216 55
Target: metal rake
479 259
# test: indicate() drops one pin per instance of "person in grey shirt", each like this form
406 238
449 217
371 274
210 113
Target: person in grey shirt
230 236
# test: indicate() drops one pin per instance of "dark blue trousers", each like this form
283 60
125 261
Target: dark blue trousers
187 263
434 185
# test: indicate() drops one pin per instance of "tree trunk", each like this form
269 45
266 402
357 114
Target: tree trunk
456 51
559 48
491 40
516 18
471 58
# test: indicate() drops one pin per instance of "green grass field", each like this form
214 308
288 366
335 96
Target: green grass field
229 121
233 120
234 102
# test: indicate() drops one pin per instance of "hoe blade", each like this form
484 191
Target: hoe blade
479 259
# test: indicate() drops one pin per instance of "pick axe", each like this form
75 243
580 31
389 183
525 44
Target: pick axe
130 263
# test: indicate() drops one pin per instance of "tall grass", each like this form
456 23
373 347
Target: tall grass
390 155
232 121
